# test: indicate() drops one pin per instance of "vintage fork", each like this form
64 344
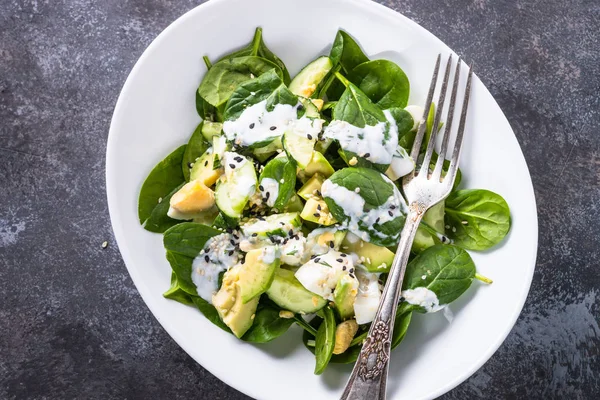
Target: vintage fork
423 188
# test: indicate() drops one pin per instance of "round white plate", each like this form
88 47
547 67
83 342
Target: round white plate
155 113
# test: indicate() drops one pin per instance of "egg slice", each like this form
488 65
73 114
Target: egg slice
321 274
368 297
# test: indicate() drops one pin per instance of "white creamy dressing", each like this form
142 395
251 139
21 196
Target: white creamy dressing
402 164
422 297
219 255
321 274
368 297
256 124
269 254
271 186
353 205
312 241
246 186
292 252
375 143
416 112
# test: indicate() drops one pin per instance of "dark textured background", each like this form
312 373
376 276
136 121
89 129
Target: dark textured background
72 325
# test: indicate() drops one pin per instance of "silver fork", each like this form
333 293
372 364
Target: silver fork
423 188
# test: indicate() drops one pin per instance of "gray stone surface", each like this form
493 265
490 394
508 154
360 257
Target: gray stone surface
72 325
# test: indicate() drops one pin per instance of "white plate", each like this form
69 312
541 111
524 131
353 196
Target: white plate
155 113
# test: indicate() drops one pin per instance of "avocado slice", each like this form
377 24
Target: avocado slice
309 189
288 293
203 170
343 296
316 210
257 272
374 258
434 217
294 205
210 129
317 164
236 314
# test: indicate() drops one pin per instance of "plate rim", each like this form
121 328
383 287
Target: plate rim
148 296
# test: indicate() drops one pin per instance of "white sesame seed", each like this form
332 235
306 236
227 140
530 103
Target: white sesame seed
160 199
104 244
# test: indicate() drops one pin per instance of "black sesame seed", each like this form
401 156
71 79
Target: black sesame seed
190 165
297 237
351 276
344 268
236 236
317 259
312 257
391 213
300 107
232 166
317 215
319 207
229 230
205 163
291 232
238 159
273 128
343 254
393 207
401 299
351 270
377 220
267 195
331 244
206 258
340 260
232 242
309 136
231 252
251 126
281 223
261 219
261 187
367 155
318 192
285 241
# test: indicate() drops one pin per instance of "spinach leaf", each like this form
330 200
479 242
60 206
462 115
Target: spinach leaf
188 238
267 325
404 122
325 341
348 357
357 109
278 169
210 312
478 218
159 221
196 146
163 178
383 82
400 327
182 267
176 293
346 52
268 86
224 77
205 110
448 272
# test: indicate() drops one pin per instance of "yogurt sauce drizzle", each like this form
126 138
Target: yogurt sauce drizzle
256 124
375 143
271 186
423 297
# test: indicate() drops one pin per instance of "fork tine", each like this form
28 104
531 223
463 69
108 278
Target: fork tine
461 130
437 171
436 120
414 153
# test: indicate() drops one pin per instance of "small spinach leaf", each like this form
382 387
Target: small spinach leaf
159 221
279 169
400 327
205 110
210 312
267 325
188 238
196 146
346 52
404 122
224 77
268 86
176 293
357 109
383 82
163 178
325 341
478 218
448 272
182 267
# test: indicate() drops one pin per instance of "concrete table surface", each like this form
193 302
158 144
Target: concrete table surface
72 324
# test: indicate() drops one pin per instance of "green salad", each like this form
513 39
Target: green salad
285 206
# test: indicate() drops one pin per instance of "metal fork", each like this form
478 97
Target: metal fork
423 188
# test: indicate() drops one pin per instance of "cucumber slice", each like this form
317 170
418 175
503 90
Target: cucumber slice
307 80
288 293
272 225
299 147
312 109
211 129
257 272
236 186
203 169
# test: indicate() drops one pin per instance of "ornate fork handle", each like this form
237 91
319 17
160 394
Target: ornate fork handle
369 376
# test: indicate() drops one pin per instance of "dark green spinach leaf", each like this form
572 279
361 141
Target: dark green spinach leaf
182 267
188 238
346 52
279 169
357 109
159 221
210 312
267 325
400 327
196 146
163 178
176 293
404 122
478 218
383 82
325 340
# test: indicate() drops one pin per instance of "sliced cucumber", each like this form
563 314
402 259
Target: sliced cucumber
236 186
272 225
211 129
312 108
299 147
219 148
307 80
288 293
257 273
